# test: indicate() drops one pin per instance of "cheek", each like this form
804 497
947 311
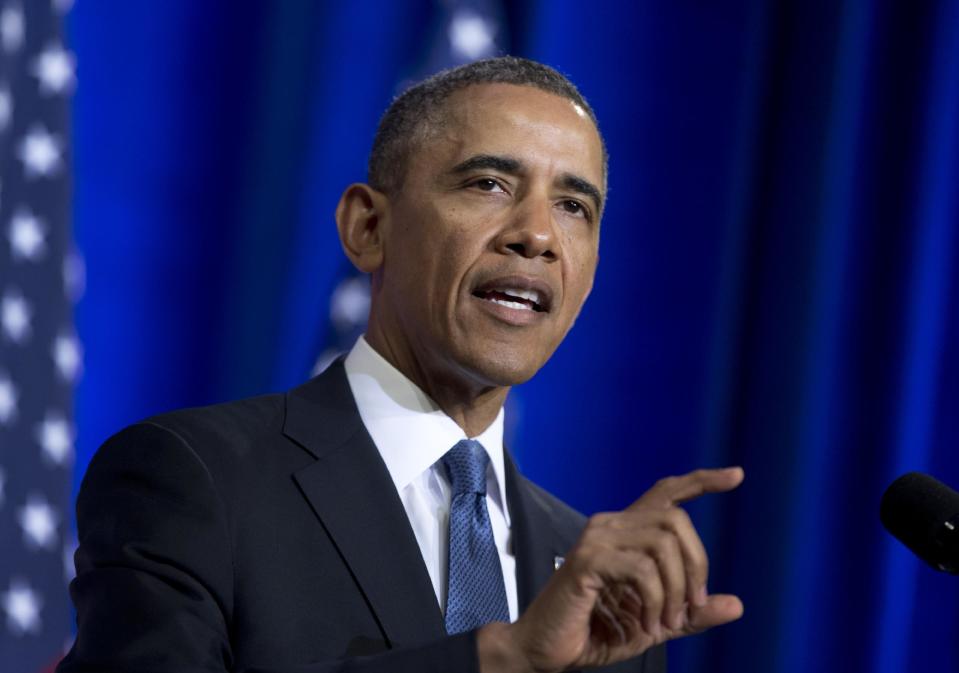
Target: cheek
459 242
582 257
442 264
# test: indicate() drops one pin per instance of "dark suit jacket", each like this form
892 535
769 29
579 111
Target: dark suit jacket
267 535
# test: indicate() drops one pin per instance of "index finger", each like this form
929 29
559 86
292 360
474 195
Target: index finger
673 491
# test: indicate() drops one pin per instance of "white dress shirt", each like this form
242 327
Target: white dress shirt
412 433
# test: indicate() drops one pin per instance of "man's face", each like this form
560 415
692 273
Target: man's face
493 238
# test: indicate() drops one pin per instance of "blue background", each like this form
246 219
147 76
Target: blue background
779 284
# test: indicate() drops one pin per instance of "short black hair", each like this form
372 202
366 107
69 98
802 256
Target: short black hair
414 112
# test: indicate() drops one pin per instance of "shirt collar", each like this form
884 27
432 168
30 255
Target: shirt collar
409 429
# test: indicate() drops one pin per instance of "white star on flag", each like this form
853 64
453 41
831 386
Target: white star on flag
66 354
39 523
8 400
54 68
6 107
471 35
350 303
56 439
15 316
11 28
27 236
22 605
40 153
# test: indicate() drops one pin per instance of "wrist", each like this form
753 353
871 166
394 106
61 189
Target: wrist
499 652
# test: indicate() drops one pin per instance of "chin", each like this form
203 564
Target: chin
503 368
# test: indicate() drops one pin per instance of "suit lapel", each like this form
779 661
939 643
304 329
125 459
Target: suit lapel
352 494
536 541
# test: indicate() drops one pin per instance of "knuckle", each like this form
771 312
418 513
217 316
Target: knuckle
646 567
599 520
666 482
659 539
678 518
655 595
587 556
671 543
580 554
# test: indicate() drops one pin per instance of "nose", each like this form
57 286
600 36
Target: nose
530 233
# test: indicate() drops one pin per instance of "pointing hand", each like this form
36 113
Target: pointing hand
634 579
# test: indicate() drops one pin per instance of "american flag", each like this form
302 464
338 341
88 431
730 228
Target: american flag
39 352
465 31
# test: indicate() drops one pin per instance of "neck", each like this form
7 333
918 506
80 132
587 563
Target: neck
472 405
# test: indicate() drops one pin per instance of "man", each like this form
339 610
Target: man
370 520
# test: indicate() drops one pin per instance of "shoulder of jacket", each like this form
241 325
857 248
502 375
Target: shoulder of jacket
247 417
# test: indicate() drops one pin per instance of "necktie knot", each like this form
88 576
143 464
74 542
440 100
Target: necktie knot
466 466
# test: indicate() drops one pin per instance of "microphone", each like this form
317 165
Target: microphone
923 513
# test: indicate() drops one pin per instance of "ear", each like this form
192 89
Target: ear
361 216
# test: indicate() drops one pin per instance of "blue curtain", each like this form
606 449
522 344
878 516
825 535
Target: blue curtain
779 284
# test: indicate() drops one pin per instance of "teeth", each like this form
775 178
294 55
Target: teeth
530 295
511 304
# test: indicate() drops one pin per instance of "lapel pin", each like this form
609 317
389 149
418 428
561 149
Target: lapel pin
558 562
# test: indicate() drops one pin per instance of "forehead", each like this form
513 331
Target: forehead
541 129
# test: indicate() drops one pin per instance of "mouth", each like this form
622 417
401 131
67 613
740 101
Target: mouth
517 293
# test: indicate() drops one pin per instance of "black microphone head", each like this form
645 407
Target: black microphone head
923 513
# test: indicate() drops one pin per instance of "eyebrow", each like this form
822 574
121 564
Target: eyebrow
503 164
515 167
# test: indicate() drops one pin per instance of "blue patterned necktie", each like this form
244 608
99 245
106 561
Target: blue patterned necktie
476 593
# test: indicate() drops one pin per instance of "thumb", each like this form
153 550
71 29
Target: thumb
719 609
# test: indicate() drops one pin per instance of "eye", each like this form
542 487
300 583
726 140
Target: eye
487 185
575 208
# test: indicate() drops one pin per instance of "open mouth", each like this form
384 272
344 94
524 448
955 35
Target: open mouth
515 298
